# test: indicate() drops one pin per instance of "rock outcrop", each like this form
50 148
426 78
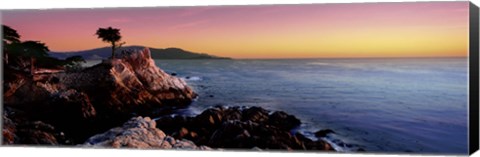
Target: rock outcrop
141 133
130 83
17 129
241 127
97 98
8 130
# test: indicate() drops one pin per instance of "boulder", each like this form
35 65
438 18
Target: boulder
236 134
210 118
232 113
139 132
323 133
255 114
283 120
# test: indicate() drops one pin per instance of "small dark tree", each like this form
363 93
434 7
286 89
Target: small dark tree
74 63
33 50
112 36
75 60
10 37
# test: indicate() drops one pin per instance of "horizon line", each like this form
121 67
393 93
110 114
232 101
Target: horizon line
261 58
399 57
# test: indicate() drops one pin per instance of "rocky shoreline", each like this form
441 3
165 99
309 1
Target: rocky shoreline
241 128
110 105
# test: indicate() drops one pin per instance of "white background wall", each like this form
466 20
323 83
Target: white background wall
61 152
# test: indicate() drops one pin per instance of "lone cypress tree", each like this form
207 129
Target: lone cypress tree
34 50
10 37
112 36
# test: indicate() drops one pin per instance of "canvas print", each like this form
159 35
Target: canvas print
359 77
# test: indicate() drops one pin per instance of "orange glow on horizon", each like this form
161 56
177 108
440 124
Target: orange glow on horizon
418 29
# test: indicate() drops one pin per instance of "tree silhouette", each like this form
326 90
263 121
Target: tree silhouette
9 39
34 50
75 60
112 36
74 63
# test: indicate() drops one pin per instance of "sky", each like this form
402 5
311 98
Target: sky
410 29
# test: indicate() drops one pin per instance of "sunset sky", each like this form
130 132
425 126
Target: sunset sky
421 29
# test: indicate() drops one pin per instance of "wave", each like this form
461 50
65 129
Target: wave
192 78
333 139
319 63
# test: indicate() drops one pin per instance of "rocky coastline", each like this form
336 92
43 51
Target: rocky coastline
112 105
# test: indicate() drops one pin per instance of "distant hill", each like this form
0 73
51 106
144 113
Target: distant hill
105 52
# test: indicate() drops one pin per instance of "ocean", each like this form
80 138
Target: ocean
380 105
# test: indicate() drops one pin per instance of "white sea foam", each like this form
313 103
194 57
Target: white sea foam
193 78
336 143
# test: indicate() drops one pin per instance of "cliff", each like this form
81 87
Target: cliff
130 83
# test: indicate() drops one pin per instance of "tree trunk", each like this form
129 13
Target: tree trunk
6 58
113 50
32 68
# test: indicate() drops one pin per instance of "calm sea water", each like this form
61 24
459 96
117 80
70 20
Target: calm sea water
380 105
